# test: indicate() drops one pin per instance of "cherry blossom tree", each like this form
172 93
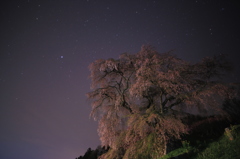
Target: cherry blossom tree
141 99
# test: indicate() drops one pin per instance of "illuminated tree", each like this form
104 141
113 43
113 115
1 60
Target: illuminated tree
141 99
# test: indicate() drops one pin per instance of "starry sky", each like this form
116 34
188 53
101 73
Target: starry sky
47 45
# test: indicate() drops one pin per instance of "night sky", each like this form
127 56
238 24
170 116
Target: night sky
47 45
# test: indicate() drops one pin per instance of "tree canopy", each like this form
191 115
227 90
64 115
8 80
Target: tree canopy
141 99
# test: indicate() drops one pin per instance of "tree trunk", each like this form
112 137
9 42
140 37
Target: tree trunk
164 145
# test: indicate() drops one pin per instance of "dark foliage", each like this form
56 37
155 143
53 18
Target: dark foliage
94 154
202 131
232 107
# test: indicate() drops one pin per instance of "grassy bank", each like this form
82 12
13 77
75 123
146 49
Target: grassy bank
223 147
